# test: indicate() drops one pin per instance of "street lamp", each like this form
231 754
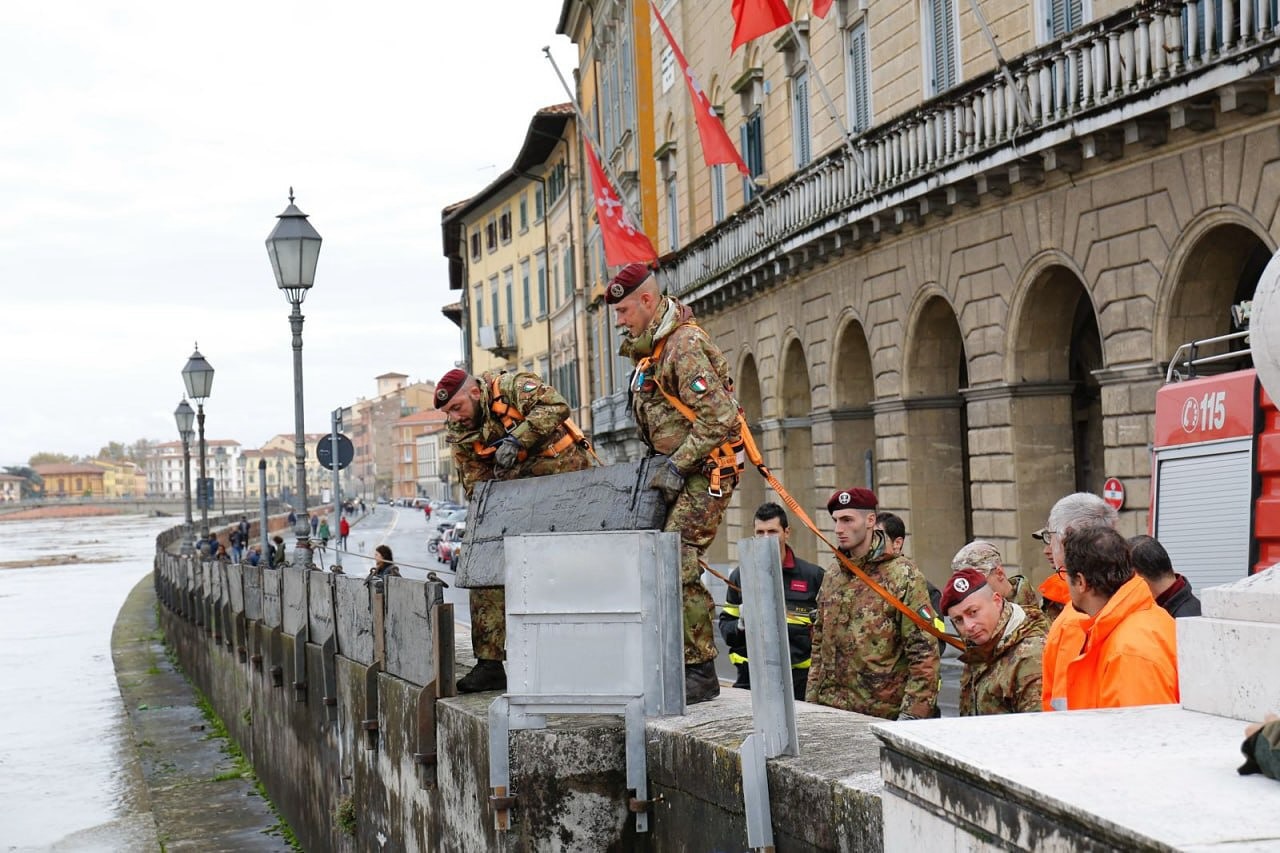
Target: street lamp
294 248
198 376
185 418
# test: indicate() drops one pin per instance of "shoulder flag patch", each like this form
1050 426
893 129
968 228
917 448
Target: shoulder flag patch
529 386
698 385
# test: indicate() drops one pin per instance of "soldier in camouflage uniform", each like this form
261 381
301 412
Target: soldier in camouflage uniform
533 442
867 656
1016 589
679 368
1004 646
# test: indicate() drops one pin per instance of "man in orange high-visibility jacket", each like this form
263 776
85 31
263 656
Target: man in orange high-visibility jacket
1130 652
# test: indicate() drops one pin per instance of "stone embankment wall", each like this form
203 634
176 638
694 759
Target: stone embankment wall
329 689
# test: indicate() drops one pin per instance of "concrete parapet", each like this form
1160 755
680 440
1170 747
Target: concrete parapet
414 773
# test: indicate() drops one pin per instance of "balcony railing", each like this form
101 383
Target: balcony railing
1125 58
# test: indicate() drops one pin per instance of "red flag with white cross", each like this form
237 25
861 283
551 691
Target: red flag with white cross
624 242
755 18
717 147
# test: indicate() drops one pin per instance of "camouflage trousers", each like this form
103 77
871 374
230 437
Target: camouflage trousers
696 516
489 623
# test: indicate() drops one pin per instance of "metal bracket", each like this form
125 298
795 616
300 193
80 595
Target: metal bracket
370 721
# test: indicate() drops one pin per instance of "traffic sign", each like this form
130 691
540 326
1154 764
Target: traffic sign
1113 493
324 451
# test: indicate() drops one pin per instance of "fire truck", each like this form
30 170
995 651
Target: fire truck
1215 468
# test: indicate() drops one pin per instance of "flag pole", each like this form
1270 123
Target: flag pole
1023 109
854 154
585 129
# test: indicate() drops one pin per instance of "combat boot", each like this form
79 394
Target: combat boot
700 682
487 675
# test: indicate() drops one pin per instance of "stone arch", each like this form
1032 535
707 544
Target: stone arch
1215 264
854 428
1054 397
935 425
795 401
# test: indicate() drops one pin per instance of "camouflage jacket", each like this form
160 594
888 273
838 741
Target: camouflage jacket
694 371
867 656
544 411
1003 676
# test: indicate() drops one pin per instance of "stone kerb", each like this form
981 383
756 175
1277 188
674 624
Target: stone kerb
408 628
320 616
252 592
293 600
354 620
272 609
1219 653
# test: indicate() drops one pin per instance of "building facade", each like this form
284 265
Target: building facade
970 303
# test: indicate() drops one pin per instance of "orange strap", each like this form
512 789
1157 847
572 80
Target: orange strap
724 459
753 453
510 417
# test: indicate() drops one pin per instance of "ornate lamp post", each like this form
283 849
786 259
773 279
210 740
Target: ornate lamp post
185 417
294 248
198 376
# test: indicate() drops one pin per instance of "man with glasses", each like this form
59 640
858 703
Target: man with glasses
1067 634
1053 592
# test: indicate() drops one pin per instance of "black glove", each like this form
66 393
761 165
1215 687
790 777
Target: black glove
508 453
669 481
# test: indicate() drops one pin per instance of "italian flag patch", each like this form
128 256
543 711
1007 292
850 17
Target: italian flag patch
529 386
698 385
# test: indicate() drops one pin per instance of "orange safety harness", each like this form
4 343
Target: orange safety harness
924 622
725 461
510 417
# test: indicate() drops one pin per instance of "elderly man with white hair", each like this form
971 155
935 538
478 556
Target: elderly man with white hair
1067 634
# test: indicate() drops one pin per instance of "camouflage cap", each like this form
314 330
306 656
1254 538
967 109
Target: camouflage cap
978 554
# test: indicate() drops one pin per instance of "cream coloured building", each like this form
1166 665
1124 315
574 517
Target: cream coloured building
970 305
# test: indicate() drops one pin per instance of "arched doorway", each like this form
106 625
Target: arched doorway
854 428
797 441
1221 270
937 440
751 488
1056 407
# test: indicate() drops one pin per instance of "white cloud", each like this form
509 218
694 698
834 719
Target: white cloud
148 147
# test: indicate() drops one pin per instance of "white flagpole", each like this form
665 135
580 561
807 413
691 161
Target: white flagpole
854 154
1023 109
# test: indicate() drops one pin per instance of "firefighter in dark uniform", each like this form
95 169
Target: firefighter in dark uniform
801 581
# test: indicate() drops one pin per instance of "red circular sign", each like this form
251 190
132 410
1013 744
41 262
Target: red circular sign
1113 493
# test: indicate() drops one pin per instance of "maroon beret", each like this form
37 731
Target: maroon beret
448 386
628 279
962 584
852 499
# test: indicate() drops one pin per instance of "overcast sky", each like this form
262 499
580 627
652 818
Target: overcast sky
146 148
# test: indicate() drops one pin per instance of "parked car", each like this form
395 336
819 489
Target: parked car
450 541
441 522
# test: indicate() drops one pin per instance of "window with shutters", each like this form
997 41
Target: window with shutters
1061 17
478 302
858 73
493 299
673 212
717 193
752 152
524 213
801 143
508 287
475 245
524 284
941 47
570 283
542 285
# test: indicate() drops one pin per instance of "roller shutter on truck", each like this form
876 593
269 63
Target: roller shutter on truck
1215 490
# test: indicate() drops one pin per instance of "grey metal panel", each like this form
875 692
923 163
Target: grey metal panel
613 497
579 622
293 599
773 707
271 606
408 625
252 576
320 606
1211 481
235 587
354 620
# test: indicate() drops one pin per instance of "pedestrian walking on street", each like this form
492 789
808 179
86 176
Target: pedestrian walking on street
344 530
683 404
503 426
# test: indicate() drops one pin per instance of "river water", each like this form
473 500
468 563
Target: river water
65 749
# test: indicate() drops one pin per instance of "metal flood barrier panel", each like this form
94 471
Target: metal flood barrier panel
594 626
